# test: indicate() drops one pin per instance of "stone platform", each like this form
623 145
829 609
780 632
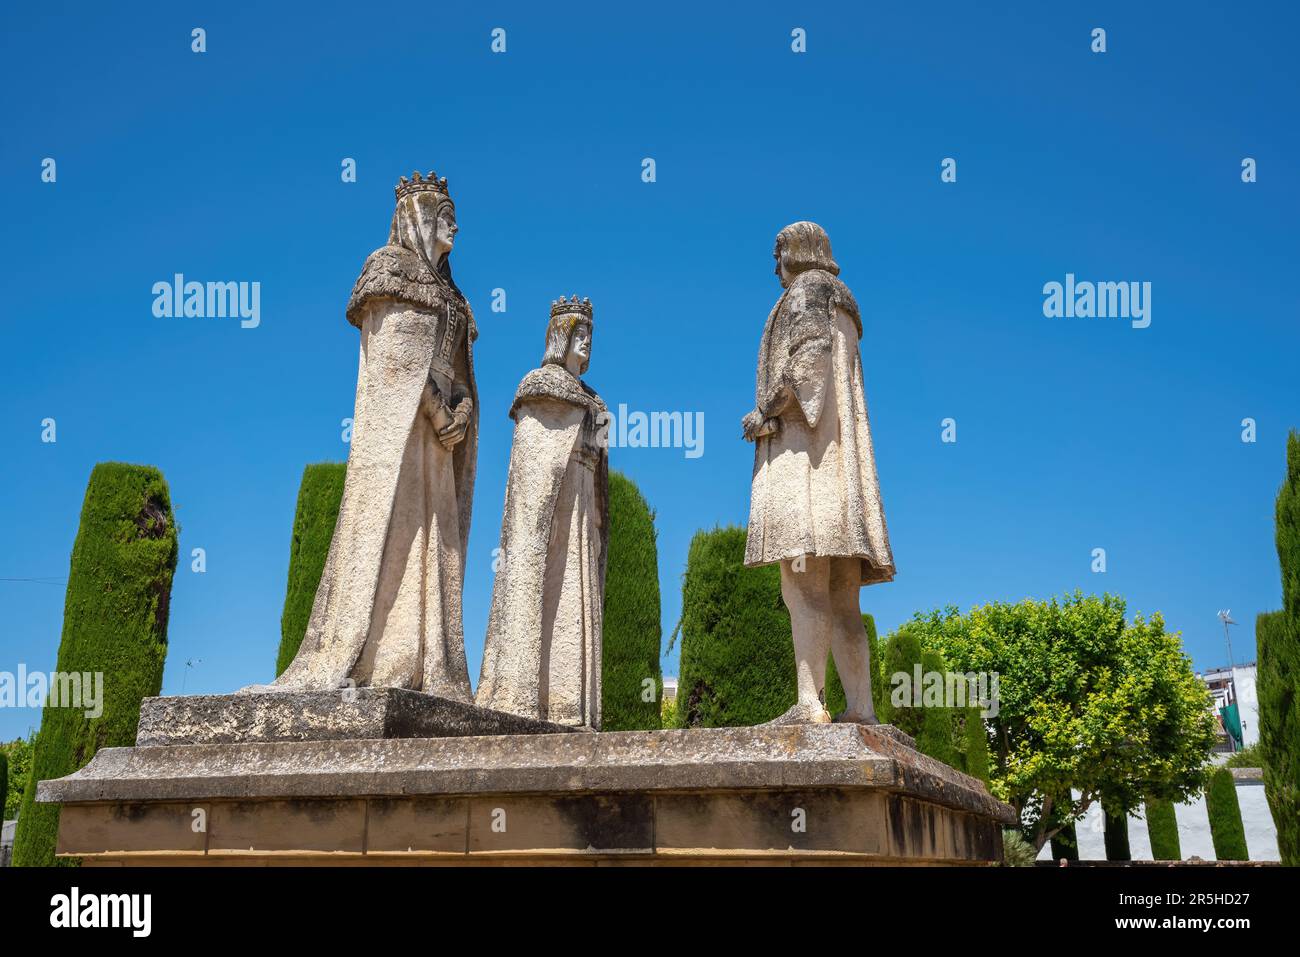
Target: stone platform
827 794
355 713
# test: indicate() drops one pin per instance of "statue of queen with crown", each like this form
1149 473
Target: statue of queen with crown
388 609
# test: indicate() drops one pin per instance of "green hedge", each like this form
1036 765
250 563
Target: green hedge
1226 829
114 623
319 497
1116 836
1277 641
631 633
1162 826
737 658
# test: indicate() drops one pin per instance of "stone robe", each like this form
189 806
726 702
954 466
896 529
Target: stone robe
542 655
387 612
815 490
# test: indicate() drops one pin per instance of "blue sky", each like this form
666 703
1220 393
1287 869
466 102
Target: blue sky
1072 434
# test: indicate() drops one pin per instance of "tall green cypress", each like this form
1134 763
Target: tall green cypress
114 625
631 633
1162 826
902 655
975 740
1115 836
4 781
1277 641
319 497
1226 829
737 659
1065 844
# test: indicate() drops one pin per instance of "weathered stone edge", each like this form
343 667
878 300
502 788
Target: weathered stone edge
653 761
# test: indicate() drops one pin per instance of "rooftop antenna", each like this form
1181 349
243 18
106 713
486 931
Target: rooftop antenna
1225 616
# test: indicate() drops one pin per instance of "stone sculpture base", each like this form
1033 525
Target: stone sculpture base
322 716
806 794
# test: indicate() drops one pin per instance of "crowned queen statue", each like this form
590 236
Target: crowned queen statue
542 654
388 609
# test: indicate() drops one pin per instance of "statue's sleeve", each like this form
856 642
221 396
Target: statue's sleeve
807 367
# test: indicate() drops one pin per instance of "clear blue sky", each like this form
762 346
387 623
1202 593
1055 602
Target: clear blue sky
1073 434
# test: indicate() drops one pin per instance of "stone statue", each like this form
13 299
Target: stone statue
388 609
815 502
542 654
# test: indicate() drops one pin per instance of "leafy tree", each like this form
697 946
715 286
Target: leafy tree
1162 826
630 642
1277 641
114 624
1066 842
319 497
1226 829
19 755
1087 702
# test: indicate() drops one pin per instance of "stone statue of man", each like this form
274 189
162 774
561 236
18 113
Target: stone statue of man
542 656
388 609
815 502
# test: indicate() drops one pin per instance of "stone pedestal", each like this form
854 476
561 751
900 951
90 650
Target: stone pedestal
826 794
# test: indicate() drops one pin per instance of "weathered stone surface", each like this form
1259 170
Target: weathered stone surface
794 756
358 714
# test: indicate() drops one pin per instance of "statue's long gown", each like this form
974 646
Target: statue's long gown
815 490
542 656
388 609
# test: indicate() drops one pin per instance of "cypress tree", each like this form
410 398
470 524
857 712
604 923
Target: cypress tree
902 655
1065 844
114 624
319 497
737 660
4 780
630 642
1162 826
1116 836
1277 640
937 722
1226 828
976 745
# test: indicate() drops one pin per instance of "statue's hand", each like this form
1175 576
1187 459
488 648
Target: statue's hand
755 425
452 435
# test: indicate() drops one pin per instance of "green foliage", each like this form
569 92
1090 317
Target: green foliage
1087 702
975 745
1277 645
319 497
1248 757
1162 826
1116 837
630 643
902 655
4 773
737 659
1065 844
668 714
879 689
1016 851
19 756
1226 829
115 623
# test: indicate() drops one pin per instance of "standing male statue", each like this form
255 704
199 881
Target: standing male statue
815 503
388 609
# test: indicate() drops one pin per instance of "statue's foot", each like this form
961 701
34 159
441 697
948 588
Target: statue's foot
856 717
801 714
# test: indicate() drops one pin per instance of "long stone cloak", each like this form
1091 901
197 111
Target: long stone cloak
815 489
542 656
388 608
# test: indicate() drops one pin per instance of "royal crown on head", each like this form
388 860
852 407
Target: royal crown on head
422 184
571 307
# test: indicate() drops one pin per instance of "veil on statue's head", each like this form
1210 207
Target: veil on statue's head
408 230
